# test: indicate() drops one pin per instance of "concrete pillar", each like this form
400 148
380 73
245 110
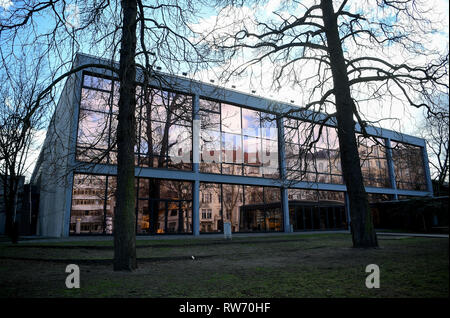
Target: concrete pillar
282 167
196 167
285 207
391 168
196 208
426 167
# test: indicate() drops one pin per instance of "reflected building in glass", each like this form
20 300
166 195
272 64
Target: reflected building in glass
205 155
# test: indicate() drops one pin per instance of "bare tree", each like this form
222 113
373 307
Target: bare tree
435 129
18 130
147 34
339 55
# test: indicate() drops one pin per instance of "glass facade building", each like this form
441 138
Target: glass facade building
206 155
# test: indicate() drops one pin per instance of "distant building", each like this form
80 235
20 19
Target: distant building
250 168
19 207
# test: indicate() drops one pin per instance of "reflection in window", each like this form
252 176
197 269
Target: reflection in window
374 167
98 83
312 152
95 100
93 130
163 125
231 118
408 166
249 140
232 148
210 208
93 204
164 129
262 210
251 122
316 210
247 208
97 124
163 206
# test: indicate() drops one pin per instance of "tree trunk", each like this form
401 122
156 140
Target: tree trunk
125 217
363 232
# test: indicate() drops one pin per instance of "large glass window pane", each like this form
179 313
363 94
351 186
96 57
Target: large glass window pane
252 150
252 213
269 158
251 122
210 208
232 202
180 147
181 108
309 209
152 152
93 129
305 132
97 82
210 151
210 121
159 105
291 135
110 204
231 168
262 210
143 217
209 105
408 166
333 140
231 148
274 219
372 155
321 137
95 100
88 204
231 118
164 206
269 126
292 156
166 133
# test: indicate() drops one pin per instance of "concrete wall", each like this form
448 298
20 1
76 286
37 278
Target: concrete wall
52 174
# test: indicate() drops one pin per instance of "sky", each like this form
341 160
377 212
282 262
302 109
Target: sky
260 78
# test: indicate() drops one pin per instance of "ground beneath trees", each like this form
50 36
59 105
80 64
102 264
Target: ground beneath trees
319 265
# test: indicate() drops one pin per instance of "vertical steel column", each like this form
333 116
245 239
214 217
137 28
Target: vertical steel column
426 168
391 169
195 166
282 167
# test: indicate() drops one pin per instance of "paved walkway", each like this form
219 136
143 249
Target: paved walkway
414 235
37 239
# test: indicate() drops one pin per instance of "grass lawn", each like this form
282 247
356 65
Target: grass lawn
319 265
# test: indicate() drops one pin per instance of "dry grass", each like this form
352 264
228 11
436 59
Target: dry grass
322 265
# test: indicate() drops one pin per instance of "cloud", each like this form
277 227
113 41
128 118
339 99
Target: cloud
374 104
5 4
